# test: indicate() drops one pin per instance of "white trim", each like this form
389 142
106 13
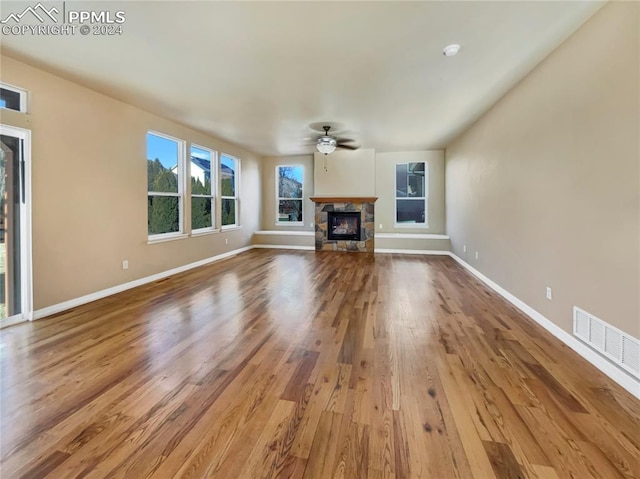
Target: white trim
411 225
13 320
290 223
213 175
278 198
26 251
72 303
615 373
182 172
236 190
426 236
231 228
20 91
411 251
285 233
163 238
283 246
203 232
424 198
603 349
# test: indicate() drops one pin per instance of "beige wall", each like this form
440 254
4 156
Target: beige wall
89 189
385 190
348 173
269 191
546 185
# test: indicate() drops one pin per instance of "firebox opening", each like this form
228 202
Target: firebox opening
343 225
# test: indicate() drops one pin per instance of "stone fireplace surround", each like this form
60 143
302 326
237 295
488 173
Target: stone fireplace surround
366 207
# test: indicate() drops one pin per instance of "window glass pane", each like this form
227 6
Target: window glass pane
228 212
228 176
200 171
9 99
290 182
401 180
200 213
290 210
410 211
163 214
162 164
415 179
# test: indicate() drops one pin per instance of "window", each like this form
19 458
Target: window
165 177
12 98
289 195
202 190
411 195
229 180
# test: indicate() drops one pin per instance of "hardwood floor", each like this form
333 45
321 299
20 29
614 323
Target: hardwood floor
308 365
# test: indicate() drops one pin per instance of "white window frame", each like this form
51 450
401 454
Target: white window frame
412 198
278 198
214 184
23 96
236 198
182 188
26 247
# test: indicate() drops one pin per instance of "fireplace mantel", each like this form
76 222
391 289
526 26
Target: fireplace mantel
344 199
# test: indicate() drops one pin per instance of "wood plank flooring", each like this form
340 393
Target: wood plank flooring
307 365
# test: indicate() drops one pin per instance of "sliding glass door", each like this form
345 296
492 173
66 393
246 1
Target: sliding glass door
14 244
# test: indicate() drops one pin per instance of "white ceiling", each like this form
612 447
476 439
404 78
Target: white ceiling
258 73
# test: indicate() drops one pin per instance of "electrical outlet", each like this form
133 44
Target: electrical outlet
476 255
464 248
380 226
226 241
549 295
311 224
125 264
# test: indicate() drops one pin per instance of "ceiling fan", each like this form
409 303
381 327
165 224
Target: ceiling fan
327 144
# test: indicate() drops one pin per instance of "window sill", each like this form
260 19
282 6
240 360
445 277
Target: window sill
411 225
425 236
231 228
291 223
204 232
165 238
285 233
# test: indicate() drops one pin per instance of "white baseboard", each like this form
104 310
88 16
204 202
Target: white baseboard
412 251
615 373
623 379
284 246
72 303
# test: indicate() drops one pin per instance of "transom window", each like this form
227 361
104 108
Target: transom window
202 188
229 181
411 194
289 196
13 98
165 175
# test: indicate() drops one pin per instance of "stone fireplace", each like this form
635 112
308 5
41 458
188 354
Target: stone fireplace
345 223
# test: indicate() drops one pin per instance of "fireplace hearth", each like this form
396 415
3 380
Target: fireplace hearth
343 225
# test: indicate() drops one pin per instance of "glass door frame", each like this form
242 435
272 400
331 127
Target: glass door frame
25 228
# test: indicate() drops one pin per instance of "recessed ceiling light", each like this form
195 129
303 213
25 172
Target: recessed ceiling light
451 50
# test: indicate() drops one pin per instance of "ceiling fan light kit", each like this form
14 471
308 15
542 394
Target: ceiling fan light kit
327 144
451 50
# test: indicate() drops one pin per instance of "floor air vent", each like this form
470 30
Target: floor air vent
617 345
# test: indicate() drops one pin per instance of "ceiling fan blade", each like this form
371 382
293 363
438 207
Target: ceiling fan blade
344 140
347 147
